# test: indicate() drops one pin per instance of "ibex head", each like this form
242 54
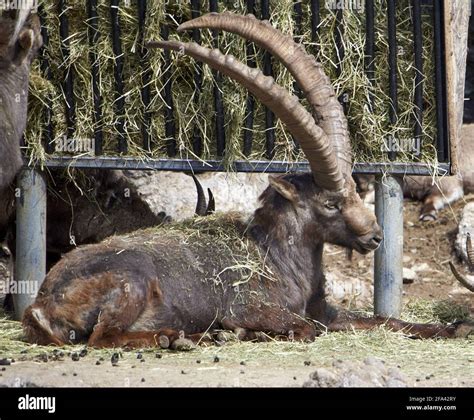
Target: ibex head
327 200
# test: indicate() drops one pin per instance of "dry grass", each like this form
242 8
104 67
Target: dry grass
444 358
368 130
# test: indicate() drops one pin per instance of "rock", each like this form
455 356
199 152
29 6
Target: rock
421 267
175 194
340 288
323 378
465 227
409 275
395 383
406 259
374 361
372 372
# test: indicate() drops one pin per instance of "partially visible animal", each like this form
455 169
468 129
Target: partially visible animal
203 208
20 39
466 281
436 192
158 286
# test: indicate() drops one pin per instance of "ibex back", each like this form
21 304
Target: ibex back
143 289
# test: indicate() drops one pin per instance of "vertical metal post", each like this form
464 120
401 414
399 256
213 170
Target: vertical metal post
30 267
388 265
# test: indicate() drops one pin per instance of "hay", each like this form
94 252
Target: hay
448 359
220 237
368 130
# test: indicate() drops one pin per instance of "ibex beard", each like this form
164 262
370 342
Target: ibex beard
156 286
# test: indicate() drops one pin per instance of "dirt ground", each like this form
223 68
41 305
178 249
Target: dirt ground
425 363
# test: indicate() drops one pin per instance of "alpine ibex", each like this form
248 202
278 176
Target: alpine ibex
20 39
146 288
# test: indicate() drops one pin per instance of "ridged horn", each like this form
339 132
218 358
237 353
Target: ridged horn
299 122
469 251
467 283
308 73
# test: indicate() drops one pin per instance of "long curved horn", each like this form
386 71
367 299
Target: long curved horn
309 74
312 139
469 284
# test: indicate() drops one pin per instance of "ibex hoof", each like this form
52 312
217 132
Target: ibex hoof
183 344
464 329
226 336
428 217
163 341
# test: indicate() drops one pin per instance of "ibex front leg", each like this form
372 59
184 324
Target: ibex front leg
347 321
272 320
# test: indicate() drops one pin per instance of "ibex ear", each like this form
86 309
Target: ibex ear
284 188
25 40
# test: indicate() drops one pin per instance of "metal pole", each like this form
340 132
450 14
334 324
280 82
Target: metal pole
30 268
388 265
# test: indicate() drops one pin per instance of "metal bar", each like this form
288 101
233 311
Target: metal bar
118 76
45 66
418 52
297 37
170 127
268 71
146 76
315 21
68 83
338 36
340 52
370 48
388 261
218 101
30 265
94 35
439 88
239 166
250 103
196 33
298 16
392 65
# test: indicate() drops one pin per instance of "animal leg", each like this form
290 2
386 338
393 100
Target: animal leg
347 321
273 320
449 191
104 336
